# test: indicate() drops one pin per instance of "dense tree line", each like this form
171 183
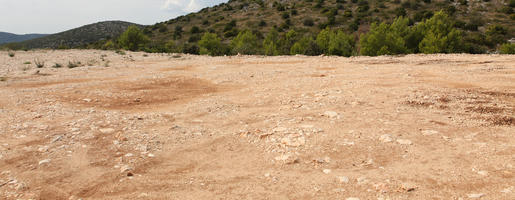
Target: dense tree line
436 34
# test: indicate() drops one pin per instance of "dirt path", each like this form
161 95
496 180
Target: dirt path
160 126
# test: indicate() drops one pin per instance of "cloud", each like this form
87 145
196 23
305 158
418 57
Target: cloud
183 5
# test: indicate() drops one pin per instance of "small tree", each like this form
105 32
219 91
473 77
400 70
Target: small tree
341 44
385 39
133 39
270 44
302 46
210 44
508 48
440 36
172 47
245 43
323 40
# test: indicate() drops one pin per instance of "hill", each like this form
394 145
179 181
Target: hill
10 37
308 17
78 37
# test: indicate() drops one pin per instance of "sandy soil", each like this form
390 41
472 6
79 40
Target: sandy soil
161 126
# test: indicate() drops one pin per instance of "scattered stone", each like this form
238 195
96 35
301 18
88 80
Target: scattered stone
307 126
125 168
386 138
429 132
279 129
46 161
326 171
43 149
129 155
343 179
130 174
57 138
476 196
507 190
86 100
287 159
408 187
404 141
151 155
483 173
267 175
330 114
106 130
293 142
352 198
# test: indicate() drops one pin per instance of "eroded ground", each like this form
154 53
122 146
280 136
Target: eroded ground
161 126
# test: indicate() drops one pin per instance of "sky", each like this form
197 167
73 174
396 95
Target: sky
53 16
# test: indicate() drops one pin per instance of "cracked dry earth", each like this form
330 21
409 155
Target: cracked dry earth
161 126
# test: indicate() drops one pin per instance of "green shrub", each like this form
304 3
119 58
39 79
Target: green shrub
386 39
210 44
270 43
508 48
308 22
496 34
120 52
57 65
171 47
2 79
245 43
133 39
440 36
190 48
11 54
74 64
27 63
305 46
39 63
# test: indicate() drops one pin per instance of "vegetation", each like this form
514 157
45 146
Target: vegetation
74 64
211 45
329 27
39 63
133 39
507 48
57 65
11 54
92 35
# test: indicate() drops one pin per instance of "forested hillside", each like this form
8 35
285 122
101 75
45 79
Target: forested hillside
482 26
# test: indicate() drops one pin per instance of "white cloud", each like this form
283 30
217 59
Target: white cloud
188 6
19 16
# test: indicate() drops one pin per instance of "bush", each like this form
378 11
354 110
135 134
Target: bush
386 39
74 64
496 34
440 36
270 44
305 46
11 54
308 22
211 45
245 43
190 49
39 63
133 39
171 47
508 48
335 43
57 65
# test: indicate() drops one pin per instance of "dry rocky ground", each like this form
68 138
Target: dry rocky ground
161 126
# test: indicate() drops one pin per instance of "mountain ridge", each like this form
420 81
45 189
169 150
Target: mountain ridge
6 37
77 37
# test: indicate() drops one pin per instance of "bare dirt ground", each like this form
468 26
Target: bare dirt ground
161 126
